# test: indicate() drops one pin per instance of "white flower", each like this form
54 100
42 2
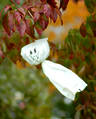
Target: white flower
36 52
67 82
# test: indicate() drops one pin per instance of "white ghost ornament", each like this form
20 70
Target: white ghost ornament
67 82
36 52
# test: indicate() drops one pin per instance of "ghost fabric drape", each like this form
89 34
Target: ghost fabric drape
67 82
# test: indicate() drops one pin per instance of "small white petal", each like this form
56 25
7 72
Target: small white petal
36 52
67 82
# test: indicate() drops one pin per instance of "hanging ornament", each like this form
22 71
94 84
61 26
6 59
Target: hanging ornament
66 81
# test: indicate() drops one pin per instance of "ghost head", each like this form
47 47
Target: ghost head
36 52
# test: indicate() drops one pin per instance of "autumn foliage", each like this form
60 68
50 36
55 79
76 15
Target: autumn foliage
31 16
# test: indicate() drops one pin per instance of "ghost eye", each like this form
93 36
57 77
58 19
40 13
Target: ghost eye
34 50
31 52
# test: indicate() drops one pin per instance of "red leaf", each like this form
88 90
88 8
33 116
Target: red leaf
36 16
27 40
8 23
5 24
71 56
21 27
63 4
53 15
43 1
17 16
21 10
43 23
8 7
28 30
83 30
52 3
10 46
47 10
11 22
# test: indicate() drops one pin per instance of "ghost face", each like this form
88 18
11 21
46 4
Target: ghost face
36 52
30 53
